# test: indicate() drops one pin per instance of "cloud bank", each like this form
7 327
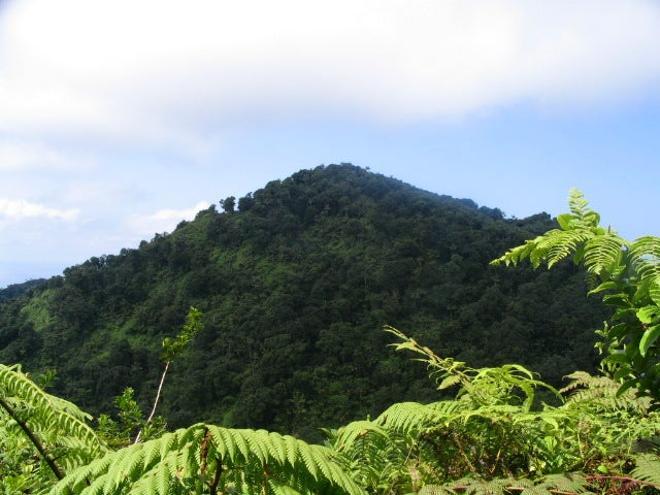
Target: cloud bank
152 70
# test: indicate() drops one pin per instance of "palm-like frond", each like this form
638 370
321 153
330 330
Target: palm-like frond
629 276
645 255
243 460
56 427
603 253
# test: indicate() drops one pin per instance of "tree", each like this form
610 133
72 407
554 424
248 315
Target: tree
246 202
228 204
172 348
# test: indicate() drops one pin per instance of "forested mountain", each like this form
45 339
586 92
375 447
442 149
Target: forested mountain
14 290
295 284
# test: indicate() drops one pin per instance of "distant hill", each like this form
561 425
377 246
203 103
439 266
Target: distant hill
295 285
15 290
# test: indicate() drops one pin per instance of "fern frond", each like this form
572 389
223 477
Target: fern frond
47 411
602 394
413 417
577 203
565 482
56 428
645 257
603 253
347 435
247 459
647 469
550 248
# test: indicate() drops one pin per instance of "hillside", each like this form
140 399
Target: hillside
15 290
295 286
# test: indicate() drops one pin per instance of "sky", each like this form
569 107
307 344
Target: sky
119 119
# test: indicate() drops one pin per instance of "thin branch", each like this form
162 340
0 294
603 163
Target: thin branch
153 409
33 438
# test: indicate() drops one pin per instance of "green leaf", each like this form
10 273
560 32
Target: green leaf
564 220
449 381
619 357
650 335
654 291
604 286
648 313
592 217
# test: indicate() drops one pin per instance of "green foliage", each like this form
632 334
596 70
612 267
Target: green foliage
302 267
494 437
627 273
173 347
201 459
211 459
46 413
484 441
485 386
120 431
647 469
547 485
43 436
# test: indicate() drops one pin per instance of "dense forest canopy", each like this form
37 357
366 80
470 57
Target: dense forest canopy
13 291
295 282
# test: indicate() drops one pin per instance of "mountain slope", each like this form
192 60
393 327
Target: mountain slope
295 287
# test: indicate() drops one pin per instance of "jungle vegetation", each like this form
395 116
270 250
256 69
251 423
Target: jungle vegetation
490 430
295 282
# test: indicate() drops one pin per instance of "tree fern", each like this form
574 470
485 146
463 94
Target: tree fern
57 429
212 459
626 274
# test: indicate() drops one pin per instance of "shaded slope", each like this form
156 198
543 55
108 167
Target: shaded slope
295 288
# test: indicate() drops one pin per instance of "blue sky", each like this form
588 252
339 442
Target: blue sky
117 120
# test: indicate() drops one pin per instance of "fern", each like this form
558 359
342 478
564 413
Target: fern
222 458
493 437
578 205
602 393
603 253
628 276
645 256
57 429
647 469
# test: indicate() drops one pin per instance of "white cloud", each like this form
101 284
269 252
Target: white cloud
162 220
168 71
19 209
